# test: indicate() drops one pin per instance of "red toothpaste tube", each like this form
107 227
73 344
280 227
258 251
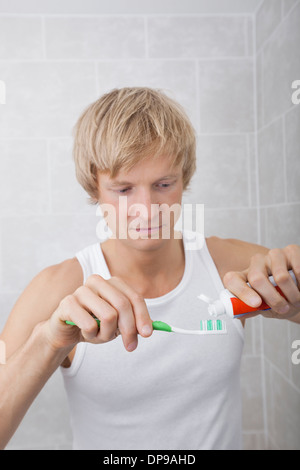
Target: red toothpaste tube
229 304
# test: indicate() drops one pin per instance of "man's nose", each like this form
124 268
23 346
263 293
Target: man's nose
148 204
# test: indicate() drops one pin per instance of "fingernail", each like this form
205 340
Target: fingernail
255 301
146 330
284 309
132 346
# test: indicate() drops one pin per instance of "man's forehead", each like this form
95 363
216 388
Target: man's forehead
143 172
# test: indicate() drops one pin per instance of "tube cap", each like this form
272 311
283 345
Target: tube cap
216 308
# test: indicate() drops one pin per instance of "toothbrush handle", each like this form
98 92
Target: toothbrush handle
157 325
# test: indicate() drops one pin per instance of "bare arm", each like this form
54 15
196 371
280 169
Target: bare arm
240 262
38 338
30 359
39 300
23 377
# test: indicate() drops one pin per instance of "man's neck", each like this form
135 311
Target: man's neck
145 267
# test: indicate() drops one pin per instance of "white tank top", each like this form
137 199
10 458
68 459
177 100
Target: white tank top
174 391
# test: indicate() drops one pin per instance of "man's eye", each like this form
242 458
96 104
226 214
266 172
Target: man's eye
123 191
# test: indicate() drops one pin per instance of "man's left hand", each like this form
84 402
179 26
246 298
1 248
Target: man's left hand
277 263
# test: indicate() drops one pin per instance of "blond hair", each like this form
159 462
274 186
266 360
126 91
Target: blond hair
126 125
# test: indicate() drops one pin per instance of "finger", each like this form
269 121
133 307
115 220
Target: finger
70 310
292 253
113 296
107 315
140 310
280 265
258 277
236 283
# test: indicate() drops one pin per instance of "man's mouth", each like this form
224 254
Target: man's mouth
148 230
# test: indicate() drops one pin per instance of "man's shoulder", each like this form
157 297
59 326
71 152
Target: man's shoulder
231 254
66 275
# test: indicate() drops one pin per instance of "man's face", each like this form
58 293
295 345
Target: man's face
143 203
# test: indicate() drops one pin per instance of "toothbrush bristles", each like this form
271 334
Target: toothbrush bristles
207 327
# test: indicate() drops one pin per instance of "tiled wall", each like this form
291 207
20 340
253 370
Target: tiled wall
278 144
53 67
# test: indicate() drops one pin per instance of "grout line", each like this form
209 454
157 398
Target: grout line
133 59
44 38
127 15
246 48
282 375
259 215
249 171
198 112
97 81
277 27
264 386
257 9
277 118
284 159
262 61
256 140
146 38
49 179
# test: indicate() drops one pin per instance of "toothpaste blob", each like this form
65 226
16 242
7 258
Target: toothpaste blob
229 304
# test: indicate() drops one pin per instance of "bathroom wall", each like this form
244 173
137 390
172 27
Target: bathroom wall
54 65
278 146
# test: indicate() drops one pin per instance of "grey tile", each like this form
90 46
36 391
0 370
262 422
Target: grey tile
267 19
250 36
21 38
44 99
66 193
281 67
45 240
222 172
292 143
281 225
196 36
271 164
259 90
95 38
254 441
276 343
285 416
253 170
232 223
288 5
253 334
226 96
175 77
252 401
23 177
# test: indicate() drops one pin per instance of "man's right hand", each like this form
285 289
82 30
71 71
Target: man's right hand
120 309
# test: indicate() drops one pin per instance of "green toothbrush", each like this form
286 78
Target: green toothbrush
207 327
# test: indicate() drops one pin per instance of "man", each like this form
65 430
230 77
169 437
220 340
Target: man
183 393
